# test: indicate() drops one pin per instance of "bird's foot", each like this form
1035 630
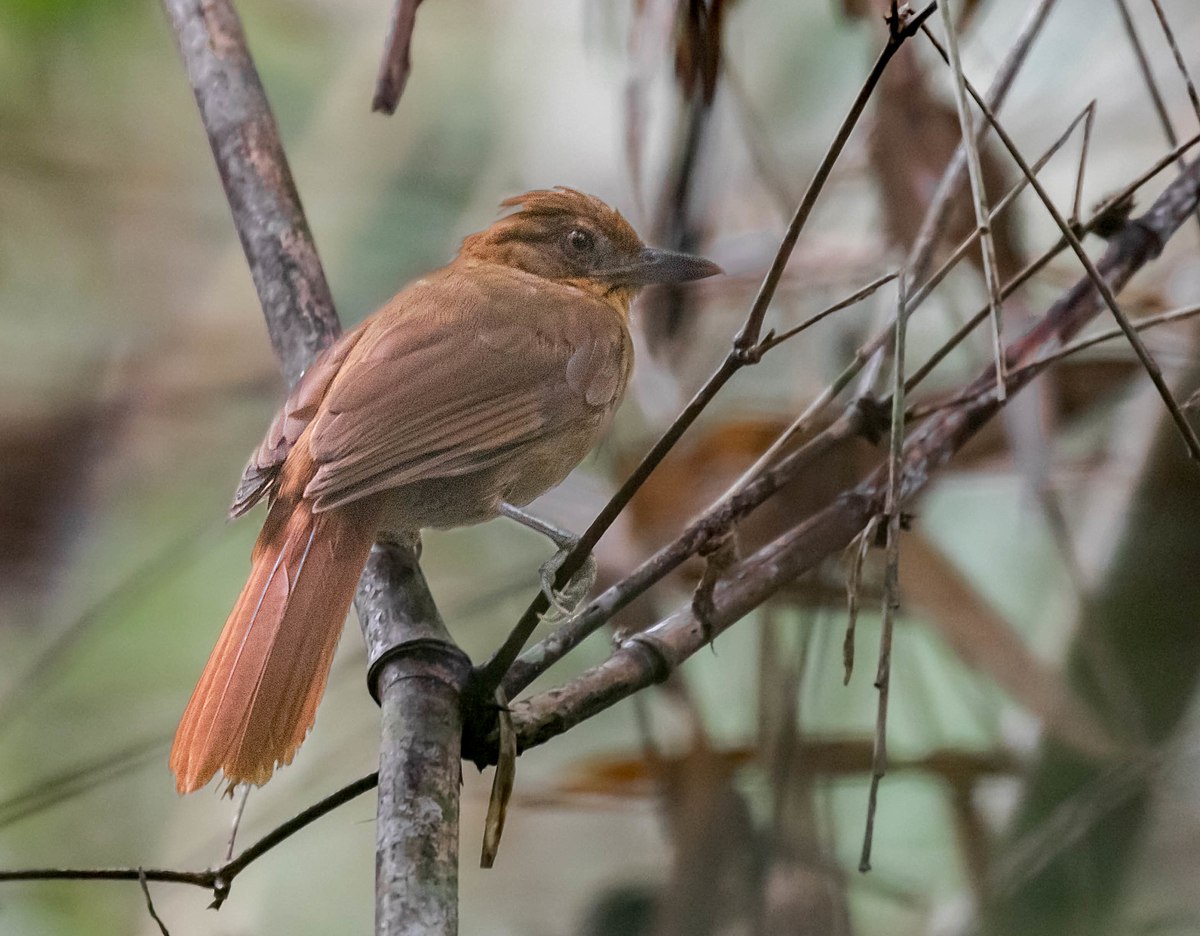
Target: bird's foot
564 602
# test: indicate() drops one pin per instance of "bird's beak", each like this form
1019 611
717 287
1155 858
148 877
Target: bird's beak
663 266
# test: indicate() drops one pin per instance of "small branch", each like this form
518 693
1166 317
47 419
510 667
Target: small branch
699 534
243 794
1147 70
162 927
1033 368
745 351
978 199
218 880
1179 62
1102 215
651 655
396 63
891 583
1077 202
774 341
1106 292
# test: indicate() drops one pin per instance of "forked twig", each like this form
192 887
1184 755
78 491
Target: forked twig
1169 34
979 201
1102 286
162 927
745 351
219 879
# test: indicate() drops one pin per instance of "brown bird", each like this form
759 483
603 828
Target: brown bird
469 394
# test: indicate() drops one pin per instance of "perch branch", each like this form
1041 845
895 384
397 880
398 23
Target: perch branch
746 350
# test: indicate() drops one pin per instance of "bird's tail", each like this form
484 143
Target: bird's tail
258 695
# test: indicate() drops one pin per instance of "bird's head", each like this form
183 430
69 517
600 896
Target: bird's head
564 235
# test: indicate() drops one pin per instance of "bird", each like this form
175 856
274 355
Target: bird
470 393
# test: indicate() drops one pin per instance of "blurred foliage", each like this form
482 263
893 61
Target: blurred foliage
135 377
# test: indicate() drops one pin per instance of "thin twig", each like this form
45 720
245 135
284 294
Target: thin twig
1144 66
651 655
162 927
243 795
1090 119
1147 70
1106 292
856 554
1109 205
743 352
1169 33
978 201
867 352
1068 350
891 581
396 63
855 297
220 879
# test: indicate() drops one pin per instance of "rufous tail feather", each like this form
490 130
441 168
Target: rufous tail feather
258 695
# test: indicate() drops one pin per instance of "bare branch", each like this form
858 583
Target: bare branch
979 202
1169 34
162 927
650 656
1103 214
891 581
746 350
279 248
396 63
219 879
397 613
1106 292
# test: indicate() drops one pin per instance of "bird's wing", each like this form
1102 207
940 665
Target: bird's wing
262 471
454 374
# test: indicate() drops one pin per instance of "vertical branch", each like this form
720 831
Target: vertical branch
416 674
1169 35
978 197
416 669
891 583
1144 66
270 221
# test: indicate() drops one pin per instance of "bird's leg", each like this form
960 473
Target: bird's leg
581 582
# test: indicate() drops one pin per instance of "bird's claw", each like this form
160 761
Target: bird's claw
563 603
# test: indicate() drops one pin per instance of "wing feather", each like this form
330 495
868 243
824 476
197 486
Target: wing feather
455 373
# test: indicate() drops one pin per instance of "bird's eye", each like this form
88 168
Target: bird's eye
580 241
